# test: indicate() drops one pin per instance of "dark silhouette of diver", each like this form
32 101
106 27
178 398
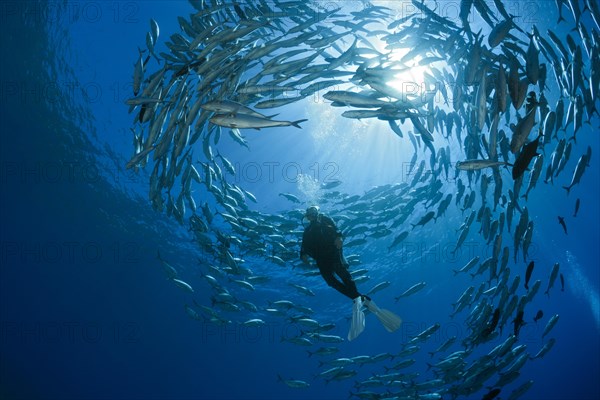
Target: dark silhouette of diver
322 241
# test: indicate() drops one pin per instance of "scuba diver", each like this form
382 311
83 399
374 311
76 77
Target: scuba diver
322 241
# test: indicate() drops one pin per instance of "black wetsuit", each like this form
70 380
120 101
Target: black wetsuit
318 242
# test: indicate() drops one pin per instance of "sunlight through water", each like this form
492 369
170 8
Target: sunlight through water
583 288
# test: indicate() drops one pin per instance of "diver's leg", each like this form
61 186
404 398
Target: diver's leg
330 279
349 284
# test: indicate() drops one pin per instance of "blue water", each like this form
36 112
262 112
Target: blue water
86 311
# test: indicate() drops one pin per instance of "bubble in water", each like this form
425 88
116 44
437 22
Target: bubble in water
583 288
309 187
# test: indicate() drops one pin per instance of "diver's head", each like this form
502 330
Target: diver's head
312 213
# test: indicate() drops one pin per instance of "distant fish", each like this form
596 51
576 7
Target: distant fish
538 316
491 327
577 202
425 219
230 107
398 239
579 169
518 322
242 121
562 283
521 131
524 158
296 384
354 99
183 285
411 290
474 165
491 394
551 323
291 197
559 4
238 10
528 274
561 221
330 184
378 287
553 276
138 74
169 270
499 32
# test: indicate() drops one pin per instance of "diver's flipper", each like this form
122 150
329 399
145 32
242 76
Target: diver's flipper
358 319
390 321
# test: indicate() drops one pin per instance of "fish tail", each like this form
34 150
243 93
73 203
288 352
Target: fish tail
560 18
297 123
568 189
574 138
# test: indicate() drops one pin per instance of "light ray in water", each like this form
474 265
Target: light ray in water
583 288
411 80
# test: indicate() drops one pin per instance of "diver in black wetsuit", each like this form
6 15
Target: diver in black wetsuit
323 241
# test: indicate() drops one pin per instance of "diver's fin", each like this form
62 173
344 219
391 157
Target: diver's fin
358 319
391 322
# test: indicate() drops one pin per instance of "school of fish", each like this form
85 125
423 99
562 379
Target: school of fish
484 91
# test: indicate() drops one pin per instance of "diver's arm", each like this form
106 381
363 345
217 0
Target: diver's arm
336 234
303 253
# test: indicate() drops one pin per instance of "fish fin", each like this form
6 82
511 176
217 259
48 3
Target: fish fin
567 188
297 123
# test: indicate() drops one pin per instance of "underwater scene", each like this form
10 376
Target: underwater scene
300 199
